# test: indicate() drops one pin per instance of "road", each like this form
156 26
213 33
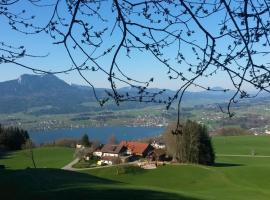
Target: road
70 168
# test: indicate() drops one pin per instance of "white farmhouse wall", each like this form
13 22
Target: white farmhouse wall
97 153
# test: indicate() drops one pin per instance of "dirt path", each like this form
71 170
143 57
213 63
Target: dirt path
69 165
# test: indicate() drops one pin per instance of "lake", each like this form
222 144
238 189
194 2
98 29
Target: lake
101 134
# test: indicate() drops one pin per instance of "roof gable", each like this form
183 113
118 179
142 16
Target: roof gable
112 148
135 147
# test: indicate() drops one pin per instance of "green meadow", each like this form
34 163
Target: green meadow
243 145
232 178
45 157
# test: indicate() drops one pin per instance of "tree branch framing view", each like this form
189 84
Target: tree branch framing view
194 41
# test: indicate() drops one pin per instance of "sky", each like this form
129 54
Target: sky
141 66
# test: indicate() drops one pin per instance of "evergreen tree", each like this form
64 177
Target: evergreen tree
85 140
206 154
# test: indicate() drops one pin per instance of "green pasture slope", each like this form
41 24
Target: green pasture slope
45 157
243 145
233 178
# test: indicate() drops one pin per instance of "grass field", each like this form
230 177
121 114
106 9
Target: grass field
45 157
233 178
243 145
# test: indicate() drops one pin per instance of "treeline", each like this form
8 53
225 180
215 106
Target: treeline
12 138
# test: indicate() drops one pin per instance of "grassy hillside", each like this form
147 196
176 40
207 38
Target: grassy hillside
45 157
243 145
233 178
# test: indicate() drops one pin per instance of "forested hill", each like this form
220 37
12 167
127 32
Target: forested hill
47 94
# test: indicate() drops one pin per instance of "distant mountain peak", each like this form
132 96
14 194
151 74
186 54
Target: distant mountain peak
24 78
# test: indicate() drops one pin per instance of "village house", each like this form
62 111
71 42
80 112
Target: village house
111 154
136 148
113 150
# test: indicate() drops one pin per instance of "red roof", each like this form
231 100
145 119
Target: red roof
135 147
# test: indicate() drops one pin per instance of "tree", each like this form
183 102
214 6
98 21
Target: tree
116 161
230 38
28 146
192 146
85 140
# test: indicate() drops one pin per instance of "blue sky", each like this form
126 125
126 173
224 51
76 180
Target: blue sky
142 65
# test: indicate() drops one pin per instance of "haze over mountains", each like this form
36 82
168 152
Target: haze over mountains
45 94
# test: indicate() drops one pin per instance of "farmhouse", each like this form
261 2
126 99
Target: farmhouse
110 154
126 151
136 148
112 150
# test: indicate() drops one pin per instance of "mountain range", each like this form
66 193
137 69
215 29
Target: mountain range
47 94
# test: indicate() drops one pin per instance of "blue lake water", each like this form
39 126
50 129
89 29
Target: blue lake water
101 134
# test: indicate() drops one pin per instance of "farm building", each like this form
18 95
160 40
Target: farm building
136 148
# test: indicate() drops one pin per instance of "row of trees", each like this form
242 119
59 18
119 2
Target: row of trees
192 146
12 138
